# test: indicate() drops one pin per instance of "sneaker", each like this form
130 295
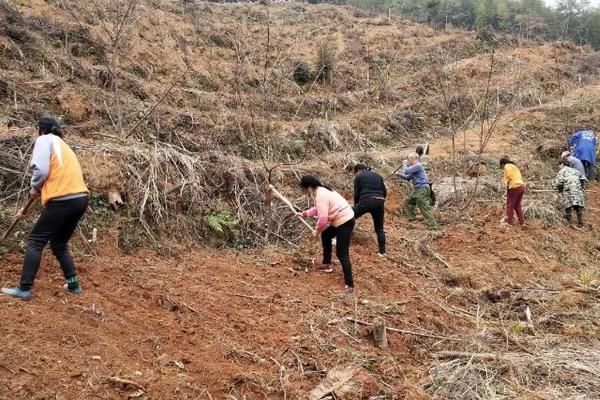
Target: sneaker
72 285
347 289
17 293
76 290
381 255
324 268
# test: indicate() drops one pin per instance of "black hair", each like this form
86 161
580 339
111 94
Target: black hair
309 181
420 151
49 125
505 160
361 167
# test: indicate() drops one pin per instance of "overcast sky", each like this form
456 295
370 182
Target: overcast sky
594 3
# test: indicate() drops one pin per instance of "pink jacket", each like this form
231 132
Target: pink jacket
330 207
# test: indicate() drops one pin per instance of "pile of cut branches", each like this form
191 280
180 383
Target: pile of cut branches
171 190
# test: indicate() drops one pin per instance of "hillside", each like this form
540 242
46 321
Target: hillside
187 109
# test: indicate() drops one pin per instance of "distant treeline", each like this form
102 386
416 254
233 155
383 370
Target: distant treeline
573 20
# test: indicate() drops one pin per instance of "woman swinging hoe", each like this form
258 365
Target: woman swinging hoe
335 218
58 180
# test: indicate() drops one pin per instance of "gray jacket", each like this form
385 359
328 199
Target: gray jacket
576 163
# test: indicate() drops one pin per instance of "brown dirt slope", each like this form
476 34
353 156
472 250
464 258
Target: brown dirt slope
217 323
487 312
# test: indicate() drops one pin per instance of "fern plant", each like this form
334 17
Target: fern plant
220 221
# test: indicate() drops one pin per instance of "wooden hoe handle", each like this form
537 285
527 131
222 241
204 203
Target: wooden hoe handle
290 205
16 221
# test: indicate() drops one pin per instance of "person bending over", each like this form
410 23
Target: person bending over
515 189
421 196
570 183
335 219
369 197
58 180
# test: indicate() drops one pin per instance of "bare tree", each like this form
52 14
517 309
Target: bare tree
450 109
116 18
561 90
489 116
487 111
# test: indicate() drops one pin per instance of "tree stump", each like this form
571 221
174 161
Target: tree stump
379 333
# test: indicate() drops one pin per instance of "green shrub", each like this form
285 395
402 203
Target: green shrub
220 221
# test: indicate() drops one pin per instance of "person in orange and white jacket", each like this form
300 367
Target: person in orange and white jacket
58 180
335 218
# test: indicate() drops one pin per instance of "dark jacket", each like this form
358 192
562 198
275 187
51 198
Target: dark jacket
368 184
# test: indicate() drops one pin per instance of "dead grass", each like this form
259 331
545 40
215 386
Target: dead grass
201 154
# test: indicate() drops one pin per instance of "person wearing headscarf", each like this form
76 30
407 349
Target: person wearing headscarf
572 161
570 183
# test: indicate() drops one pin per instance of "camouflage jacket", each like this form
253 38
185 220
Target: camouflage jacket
570 182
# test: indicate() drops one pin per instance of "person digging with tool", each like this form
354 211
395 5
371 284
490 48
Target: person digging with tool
515 189
424 157
421 195
573 162
570 183
58 180
369 197
335 219
583 144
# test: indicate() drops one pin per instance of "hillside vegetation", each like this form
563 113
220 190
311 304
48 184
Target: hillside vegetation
198 289
574 20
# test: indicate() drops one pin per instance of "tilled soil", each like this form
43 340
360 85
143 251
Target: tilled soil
211 323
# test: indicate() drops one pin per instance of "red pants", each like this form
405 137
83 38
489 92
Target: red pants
513 204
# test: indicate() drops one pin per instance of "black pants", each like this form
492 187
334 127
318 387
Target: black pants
56 225
590 170
375 207
578 211
343 235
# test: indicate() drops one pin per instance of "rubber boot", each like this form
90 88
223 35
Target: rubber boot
568 214
579 211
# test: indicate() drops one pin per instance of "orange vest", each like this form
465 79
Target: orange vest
65 177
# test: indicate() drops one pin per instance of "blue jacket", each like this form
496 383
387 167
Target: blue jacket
415 173
585 146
